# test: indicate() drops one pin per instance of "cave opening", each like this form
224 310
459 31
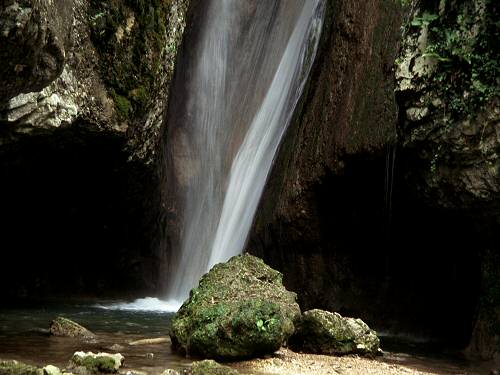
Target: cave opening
77 218
410 267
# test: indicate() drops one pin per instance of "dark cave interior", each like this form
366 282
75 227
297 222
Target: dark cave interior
76 218
405 267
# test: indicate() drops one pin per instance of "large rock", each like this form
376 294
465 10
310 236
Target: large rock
34 39
239 309
324 332
67 328
82 60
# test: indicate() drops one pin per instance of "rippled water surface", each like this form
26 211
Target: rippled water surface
24 336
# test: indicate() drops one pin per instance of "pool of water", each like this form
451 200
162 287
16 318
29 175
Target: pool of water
424 354
24 335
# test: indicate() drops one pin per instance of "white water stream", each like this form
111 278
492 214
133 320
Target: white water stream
235 93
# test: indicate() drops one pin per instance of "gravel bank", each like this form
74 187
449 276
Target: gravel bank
288 362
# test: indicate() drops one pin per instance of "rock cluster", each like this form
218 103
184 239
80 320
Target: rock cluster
241 309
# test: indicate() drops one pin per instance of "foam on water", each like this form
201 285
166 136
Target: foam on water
144 304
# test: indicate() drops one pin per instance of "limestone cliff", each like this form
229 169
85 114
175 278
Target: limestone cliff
390 212
85 85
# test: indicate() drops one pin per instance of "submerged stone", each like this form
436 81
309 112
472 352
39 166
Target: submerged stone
240 309
67 328
83 363
170 371
324 332
210 367
51 370
152 341
18 368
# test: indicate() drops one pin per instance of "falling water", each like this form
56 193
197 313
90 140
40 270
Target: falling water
236 89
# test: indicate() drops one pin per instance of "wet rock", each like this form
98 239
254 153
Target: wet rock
239 309
153 341
33 44
324 332
67 328
84 363
18 368
210 367
170 372
51 370
116 347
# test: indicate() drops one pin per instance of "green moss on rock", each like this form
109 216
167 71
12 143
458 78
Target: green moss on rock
18 368
239 309
137 41
97 363
123 105
325 332
210 367
67 328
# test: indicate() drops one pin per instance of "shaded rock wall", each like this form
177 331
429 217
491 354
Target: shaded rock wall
349 109
86 84
449 95
360 214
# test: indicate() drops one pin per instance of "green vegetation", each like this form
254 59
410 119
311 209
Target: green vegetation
462 39
122 103
133 39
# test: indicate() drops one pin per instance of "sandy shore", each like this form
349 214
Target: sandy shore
287 362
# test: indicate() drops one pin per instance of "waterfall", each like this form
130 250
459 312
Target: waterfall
235 92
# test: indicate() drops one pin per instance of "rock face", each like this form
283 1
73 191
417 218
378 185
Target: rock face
67 328
451 125
34 41
449 94
323 332
323 207
240 309
345 185
85 87
84 363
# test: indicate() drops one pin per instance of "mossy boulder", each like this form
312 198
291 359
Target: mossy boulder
84 363
210 367
240 309
18 368
324 332
67 328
